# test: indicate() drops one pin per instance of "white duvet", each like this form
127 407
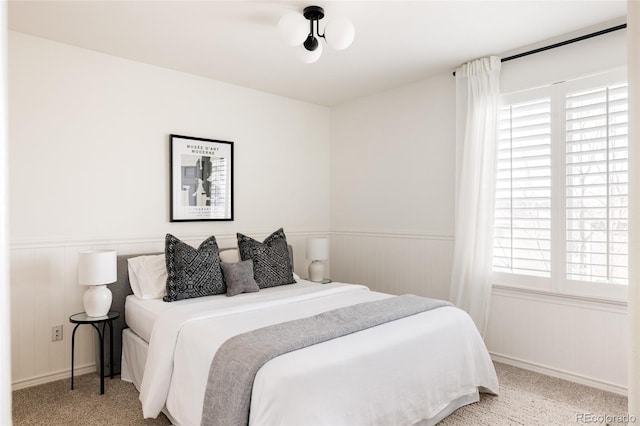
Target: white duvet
402 372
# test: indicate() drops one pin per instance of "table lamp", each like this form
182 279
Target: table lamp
317 251
96 268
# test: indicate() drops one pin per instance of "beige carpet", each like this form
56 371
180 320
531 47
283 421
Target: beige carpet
525 398
54 404
528 398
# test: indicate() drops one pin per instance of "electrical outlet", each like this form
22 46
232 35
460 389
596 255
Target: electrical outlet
56 333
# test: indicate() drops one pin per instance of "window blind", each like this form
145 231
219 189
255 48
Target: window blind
522 242
597 185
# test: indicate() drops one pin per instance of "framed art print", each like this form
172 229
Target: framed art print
201 179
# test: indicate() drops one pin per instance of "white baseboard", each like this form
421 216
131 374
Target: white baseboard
561 374
52 377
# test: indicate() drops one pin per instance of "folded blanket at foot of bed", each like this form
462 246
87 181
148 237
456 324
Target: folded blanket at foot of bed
233 369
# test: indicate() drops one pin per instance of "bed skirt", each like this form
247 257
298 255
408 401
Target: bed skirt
134 357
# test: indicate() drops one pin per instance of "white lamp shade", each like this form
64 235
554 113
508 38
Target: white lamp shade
339 33
317 248
97 267
293 28
308 56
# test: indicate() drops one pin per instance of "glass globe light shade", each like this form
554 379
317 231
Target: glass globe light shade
308 56
339 33
293 28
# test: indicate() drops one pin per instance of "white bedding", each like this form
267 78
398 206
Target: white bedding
141 314
403 372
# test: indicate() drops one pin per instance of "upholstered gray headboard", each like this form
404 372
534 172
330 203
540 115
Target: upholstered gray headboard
120 290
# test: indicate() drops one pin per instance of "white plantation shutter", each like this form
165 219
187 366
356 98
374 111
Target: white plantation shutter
562 217
597 185
522 243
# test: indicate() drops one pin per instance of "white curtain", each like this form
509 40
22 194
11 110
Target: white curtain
477 100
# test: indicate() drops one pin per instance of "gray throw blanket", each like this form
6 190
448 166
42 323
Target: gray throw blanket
227 398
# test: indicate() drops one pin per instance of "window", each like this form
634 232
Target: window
561 216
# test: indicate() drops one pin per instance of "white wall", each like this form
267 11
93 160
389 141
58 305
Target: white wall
583 58
89 164
391 160
392 205
5 337
90 151
633 52
392 171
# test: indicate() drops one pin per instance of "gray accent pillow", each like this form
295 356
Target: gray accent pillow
239 277
271 262
192 272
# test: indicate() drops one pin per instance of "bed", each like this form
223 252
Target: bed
414 370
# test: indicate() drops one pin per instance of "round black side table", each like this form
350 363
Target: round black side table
83 318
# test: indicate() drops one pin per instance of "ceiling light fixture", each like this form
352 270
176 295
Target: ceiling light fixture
338 33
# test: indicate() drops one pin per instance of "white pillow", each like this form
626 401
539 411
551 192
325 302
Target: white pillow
230 256
148 276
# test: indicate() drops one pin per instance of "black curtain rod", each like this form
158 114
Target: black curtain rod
563 43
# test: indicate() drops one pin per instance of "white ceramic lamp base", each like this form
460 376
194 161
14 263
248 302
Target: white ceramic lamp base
97 300
316 271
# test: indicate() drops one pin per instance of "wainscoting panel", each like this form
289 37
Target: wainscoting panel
45 292
581 340
41 296
393 263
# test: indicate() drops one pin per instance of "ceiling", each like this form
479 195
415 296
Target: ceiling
397 42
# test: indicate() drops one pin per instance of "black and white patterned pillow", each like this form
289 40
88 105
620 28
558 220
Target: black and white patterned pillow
192 272
271 262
